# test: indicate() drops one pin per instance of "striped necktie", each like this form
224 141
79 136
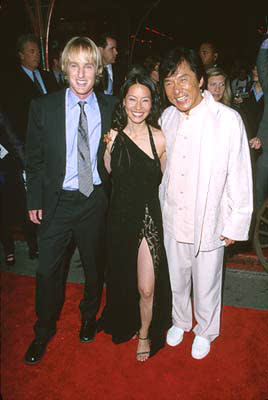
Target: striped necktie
37 84
85 177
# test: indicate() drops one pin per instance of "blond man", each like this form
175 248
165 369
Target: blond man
67 189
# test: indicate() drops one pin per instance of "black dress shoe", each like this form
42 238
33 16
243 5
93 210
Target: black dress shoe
88 331
33 254
36 351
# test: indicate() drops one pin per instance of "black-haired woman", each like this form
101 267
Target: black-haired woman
138 286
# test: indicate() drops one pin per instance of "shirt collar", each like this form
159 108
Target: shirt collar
109 67
29 71
73 99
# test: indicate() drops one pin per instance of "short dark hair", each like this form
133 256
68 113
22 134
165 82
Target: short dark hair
150 63
175 57
120 116
136 69
25 38
212 45
101 41
55 53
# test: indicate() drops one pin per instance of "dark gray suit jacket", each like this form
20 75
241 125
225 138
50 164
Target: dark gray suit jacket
262 66
46 149
18 99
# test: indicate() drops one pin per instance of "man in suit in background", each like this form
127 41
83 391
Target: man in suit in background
261 141
27 82
107 44
67 189
55 67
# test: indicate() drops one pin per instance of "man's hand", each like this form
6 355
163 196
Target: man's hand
238 99
35 216
228 241
255 143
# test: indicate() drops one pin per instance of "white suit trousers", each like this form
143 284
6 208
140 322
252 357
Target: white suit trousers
204 272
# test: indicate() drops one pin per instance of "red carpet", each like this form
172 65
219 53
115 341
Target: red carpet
246 260
236 368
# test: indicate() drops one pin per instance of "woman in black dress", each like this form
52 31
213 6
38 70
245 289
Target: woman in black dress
138 286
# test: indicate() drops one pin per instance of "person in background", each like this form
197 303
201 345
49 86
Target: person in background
218 85
25 83
241 85
253 106
252 109
12 189
203 206
209 54
152 67
107 44
134 69
55 67
261 140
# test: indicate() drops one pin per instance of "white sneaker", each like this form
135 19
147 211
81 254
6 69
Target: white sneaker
174 336
200 347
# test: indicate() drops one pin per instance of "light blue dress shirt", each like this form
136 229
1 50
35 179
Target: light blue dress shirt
109 89
38 76
264 44
94 134
258 95
59 76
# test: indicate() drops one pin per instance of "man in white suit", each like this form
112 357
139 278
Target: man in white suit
206 195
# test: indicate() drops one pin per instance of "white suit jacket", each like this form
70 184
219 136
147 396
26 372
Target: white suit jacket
224 200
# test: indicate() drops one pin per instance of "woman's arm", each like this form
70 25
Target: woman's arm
109 140
161 150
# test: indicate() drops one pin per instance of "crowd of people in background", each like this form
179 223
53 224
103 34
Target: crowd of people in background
150 83
240 90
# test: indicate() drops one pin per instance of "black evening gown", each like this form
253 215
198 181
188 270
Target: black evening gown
135 214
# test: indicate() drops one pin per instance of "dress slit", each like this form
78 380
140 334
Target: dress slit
150 234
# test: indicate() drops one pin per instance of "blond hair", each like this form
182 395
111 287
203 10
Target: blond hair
227 95
85 45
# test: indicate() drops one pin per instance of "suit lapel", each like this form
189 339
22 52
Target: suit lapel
104 123
58 120
103 111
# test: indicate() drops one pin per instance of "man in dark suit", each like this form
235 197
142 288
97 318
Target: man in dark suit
67 188
262 163
25 83
111 80
55 67
28 82
11 188
261 141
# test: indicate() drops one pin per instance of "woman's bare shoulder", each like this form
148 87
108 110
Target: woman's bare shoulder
158 135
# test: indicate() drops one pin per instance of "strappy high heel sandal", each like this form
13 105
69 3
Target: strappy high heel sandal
143 355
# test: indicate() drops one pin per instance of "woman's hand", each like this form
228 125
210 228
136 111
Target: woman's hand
107 138
255 143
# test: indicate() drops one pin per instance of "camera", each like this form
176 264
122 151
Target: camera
244 95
